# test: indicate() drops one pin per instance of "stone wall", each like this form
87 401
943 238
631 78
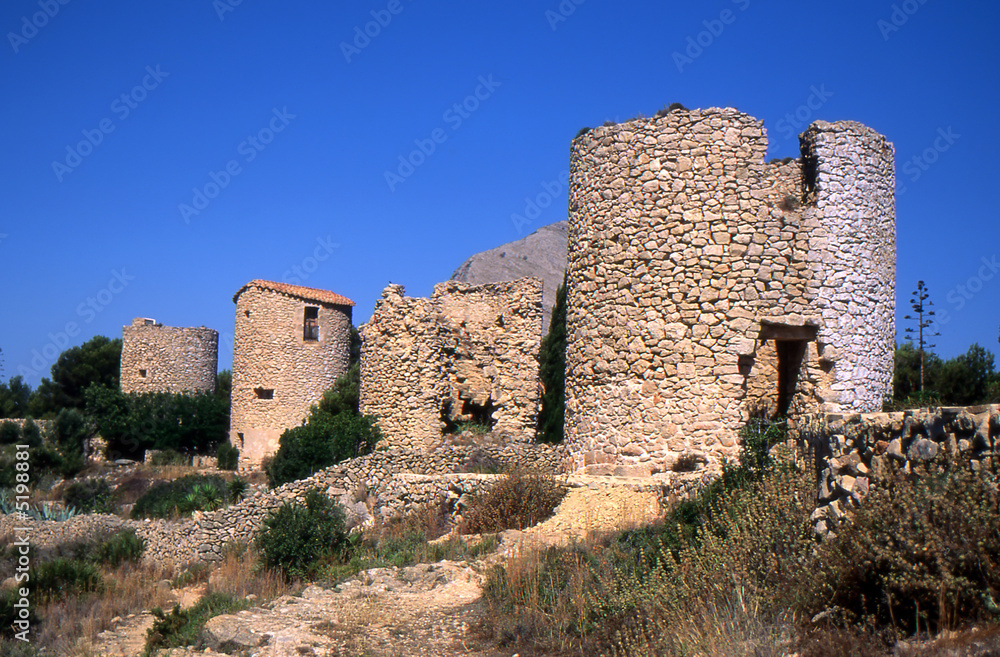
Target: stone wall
158 358
854 451
279 368
468 353
705 285
392 482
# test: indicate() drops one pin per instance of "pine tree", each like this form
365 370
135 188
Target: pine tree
552 373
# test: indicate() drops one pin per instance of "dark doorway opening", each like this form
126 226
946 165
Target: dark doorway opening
790 355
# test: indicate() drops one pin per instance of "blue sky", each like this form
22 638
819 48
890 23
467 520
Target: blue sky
276 125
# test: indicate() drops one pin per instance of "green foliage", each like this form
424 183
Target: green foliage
333 432
236 490
62 578
133 423
965 380
224 386
14 396
124 547
169 457
227 456
31 435
922 548
90 496
10 433
9 613
96 362
581 132
182 497
552 373
70 430
518 500
297 537
184 627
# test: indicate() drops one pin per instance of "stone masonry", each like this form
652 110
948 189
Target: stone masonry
705 285
291 343
469 353
158 358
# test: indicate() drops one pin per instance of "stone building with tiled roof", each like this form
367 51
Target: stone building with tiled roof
291 343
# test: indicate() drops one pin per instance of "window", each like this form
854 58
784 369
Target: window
264 393
310 323
142 373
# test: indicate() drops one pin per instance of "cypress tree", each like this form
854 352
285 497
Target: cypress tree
552 372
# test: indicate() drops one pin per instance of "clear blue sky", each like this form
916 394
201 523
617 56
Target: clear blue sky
174 94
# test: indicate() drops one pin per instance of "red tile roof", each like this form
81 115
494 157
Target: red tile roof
308 293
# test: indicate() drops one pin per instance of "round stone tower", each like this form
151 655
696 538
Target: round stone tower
705 286
158 358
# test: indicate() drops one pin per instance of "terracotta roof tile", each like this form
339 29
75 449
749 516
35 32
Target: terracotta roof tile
308 293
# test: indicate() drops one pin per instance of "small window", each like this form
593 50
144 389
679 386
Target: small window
264 393
310 323
142 373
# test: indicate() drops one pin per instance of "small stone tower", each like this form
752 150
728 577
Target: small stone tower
706 286
291 344
158 358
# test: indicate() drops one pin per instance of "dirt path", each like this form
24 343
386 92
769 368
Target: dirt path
426 609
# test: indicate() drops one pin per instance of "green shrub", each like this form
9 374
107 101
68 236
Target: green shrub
552 373
124 547
169 457
184 627
10 433
182 497
90 496
296 537
9 613
228 457
518 500
31 435
63 578
922 548
323 441
236 490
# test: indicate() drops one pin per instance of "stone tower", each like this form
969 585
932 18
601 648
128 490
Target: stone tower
158 358
291 343
705 286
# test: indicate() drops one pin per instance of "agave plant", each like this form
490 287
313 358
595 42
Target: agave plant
7 501
52 513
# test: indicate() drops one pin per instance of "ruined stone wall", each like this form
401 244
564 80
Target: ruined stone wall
271 354
855 452
469 353
158 358
705 285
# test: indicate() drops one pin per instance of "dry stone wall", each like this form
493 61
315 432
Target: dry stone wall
279 368
391 482
158 358
705 285
854 451
469 353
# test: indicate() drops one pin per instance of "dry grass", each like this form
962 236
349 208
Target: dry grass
69 624
241 574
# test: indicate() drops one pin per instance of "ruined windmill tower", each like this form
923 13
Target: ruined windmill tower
705 285
158 358
291 343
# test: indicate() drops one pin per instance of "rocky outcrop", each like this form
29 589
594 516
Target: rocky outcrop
541 254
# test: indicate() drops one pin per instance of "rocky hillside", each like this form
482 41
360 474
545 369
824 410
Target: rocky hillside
541 254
